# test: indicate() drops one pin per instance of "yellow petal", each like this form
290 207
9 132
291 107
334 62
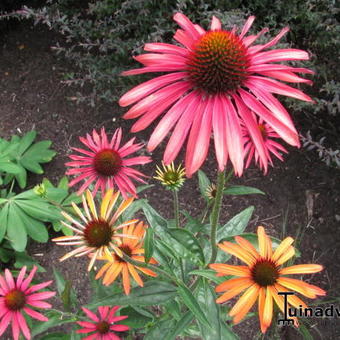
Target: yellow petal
78 211
236 250
261 301
301 269
71 219
227 269
105 203
91 204
123 206
247 245
289 253
246 283
135 275
281 249
229 284
86 208
126 279
103 269
268 309
112 204
112 273
261 235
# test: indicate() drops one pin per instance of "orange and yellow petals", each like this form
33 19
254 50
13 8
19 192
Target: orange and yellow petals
91 204
261 235
126 279
247 246
142 259
292 299
301 269
281 249
269 248
261 301
226 269
147 271
243 305
289 253
267 309
112 273
105 203
123 206
301 287
236 250
280 302
134 274
112 203
73 252
235 290
229 284
79 213
102 270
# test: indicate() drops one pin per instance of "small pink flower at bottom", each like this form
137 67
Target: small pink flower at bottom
16 296
104 325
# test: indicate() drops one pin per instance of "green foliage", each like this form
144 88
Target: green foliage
22 154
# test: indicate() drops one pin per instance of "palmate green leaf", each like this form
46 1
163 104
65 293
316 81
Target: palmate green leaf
242 190
26 141
191 302
7 166
16 231
236 225
189 241
153 293
3 221
203 183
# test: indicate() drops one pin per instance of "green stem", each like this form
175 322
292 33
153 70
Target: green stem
216 213
176 208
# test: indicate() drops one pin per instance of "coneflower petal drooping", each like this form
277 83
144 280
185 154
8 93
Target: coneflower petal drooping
105 163
217 80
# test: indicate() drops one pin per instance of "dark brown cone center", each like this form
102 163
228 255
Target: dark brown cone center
107 162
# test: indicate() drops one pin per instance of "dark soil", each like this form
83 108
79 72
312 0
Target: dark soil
301 193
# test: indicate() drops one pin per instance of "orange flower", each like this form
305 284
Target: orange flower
263 277
132 246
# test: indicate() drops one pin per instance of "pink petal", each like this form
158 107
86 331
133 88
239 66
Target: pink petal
169 120
21 277
166 48
247 26
34 314
279 55
40 296
9 279
187 25
199 139
90 314
215 24
247 41
15 326
119 328
38 287
29 278
234 136
185 39
39 304
23 325
4 323
87 324
176 62
148 87
219 127
181 130
136 160
3 284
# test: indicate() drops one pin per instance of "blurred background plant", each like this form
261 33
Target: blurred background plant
98 38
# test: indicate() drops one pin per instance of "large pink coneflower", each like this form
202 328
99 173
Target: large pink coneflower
104 325
268 143
106 163
17 297
216 79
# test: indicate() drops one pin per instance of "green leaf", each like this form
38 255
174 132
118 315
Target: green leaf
55 318
152 293
203 182
3 221
65 290
303 330
206 299
190 301
209 274
181 325
236 225
189 241
148 244
242 190
26 141
16 231
159 329
9 167
23 259
135 319
40 209
56 336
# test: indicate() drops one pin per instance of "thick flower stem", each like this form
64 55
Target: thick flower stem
176 208
216 213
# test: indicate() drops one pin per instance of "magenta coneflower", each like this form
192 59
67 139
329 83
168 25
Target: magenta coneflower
104 325
216 79
106 163
16 297
266 146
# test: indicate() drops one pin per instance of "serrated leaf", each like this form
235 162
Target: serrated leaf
236 225
153 293
242 190
190 301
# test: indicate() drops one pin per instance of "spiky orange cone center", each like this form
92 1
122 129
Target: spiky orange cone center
265 272
15 300
218 62
98 233
103 327
107 162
